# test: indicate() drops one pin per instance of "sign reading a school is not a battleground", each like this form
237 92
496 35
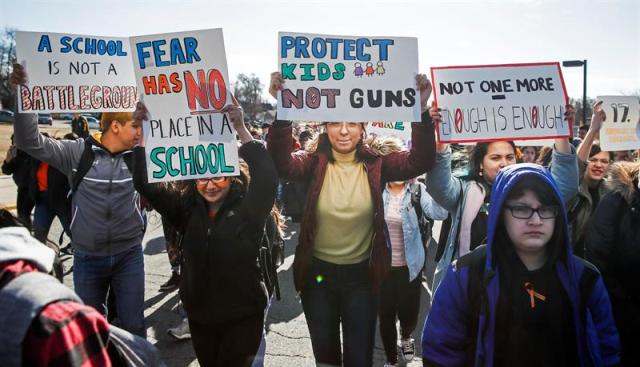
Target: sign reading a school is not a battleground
183 77
338 78
75 73
500 102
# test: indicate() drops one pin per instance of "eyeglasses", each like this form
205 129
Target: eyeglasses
220 182
601 161
526 212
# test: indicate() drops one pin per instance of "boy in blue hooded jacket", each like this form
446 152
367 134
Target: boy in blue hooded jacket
523 299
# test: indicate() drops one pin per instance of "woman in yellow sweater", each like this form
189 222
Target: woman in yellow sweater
342 254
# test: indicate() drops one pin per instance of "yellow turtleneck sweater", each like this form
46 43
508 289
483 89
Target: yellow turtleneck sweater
345 212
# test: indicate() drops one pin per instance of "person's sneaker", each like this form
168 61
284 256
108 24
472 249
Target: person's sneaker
408 347
389 364
181 331
172 283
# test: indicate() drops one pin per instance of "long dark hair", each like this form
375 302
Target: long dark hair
547 196
476 157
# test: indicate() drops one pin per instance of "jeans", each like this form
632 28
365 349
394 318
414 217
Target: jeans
123 274
398 298
340 294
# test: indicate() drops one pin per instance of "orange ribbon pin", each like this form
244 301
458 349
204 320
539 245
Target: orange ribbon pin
533 294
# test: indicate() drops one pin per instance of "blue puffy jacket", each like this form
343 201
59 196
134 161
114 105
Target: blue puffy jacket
445 339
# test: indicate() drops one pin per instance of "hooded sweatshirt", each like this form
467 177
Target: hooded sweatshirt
447 336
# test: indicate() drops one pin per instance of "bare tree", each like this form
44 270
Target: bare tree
248 91
7 59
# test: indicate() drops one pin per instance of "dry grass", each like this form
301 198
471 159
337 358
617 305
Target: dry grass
7 129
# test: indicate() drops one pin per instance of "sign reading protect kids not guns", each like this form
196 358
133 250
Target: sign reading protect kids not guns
183 77
336 78
500 102
621 129
74 73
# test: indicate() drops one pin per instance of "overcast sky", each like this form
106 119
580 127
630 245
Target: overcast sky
473 32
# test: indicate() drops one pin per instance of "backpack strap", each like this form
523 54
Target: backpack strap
416 194
85 163
587 281
21 301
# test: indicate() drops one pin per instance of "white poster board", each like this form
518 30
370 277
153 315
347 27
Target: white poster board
75 73
620 130
399 129
500 102
346 78
183 77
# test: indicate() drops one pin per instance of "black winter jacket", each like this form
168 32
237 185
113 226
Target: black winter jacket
221 280
613 245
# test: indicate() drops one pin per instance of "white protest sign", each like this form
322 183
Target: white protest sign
399 129
75 73
345 78
183 77
500 102
620 129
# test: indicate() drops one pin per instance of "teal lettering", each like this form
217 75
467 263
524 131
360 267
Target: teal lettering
287 71
158 162
172 171
223 163
201 159
190 160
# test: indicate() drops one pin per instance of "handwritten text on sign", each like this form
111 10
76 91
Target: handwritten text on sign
336 78
620 130
500 102
183 77
73 73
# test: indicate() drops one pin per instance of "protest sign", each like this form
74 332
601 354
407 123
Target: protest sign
620 129
399 129
500 102
184 82
344 78
75 73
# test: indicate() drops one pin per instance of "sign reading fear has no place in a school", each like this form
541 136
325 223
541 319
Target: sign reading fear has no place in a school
500 102
621 129
345 78
184 82
75 73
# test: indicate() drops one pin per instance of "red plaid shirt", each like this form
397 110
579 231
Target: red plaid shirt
65 333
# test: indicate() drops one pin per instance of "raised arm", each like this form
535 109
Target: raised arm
430 207
61 154
405 165
162 199
597 119
564 164
441 184
290 165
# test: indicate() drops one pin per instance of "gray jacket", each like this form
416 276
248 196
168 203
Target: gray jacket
451 193
106 214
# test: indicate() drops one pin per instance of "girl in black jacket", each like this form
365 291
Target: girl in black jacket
221 220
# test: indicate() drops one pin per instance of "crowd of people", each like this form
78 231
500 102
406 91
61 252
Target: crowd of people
537 258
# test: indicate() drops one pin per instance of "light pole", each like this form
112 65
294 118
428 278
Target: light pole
583 63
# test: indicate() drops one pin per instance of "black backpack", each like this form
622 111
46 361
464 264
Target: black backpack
271 256
424 222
